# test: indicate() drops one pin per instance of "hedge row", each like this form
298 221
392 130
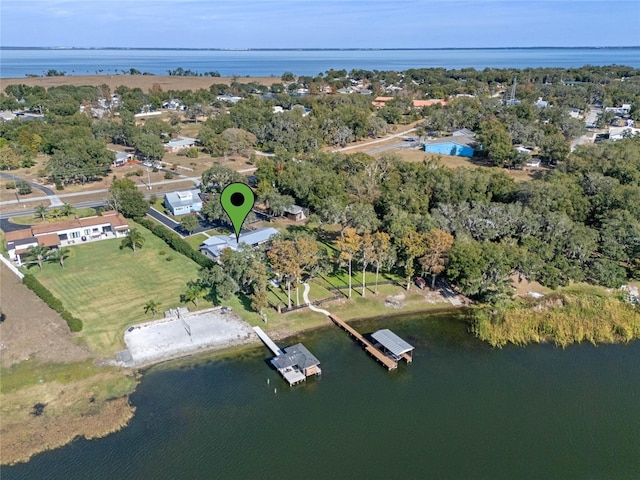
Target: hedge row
75 324
174 241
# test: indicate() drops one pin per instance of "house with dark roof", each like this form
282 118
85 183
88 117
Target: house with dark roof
182 203
67 232
296 363
458 145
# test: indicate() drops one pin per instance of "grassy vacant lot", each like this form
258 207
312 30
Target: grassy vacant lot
451 161
108 287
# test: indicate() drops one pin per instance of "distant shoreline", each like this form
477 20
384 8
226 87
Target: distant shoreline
293 49
145 82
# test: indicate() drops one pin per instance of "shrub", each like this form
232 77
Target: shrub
10 185
168 175
192 152
75 324
23 188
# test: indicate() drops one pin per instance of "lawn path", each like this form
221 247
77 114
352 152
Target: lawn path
305 297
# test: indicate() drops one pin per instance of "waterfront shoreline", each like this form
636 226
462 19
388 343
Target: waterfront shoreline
126 413
144 82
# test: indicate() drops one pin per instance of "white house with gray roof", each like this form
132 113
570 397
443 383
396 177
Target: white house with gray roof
181 203
180 143
213 246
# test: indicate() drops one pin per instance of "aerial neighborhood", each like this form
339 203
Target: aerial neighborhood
375 193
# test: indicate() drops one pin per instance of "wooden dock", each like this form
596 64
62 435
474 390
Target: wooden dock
368 346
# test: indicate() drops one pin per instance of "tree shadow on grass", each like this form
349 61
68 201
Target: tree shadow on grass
246 303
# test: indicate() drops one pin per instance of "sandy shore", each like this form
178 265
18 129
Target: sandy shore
144 82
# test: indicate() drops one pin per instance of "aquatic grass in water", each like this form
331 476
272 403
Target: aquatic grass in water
571 315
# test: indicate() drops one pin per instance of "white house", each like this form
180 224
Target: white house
181 203
625 109
618 133
213 246
67 232
180 143
121 158
227 97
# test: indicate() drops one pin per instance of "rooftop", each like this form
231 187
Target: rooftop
459 139
184 198
296 355
181 142
216 243
391 342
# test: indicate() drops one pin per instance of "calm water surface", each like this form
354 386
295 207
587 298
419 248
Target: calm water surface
461 410
18 63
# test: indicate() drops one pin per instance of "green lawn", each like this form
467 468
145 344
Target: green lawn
34 219
196 240
108 287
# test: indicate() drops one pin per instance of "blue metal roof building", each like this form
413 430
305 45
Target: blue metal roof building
458 145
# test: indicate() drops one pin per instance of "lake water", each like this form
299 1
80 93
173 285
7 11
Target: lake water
263 63
461 410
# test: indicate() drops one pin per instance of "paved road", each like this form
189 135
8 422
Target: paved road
195 180
53 197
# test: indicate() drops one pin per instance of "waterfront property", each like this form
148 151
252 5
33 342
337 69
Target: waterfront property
213 246
67 232
295 363
458 145
182 203
389 348
393 345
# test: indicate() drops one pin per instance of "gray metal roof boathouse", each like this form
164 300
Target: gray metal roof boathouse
295 363
393 345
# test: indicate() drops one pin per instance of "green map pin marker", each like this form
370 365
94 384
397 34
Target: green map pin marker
237 200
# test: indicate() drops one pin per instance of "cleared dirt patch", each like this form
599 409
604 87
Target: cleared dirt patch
31 329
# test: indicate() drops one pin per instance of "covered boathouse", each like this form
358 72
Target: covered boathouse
392 345
296 363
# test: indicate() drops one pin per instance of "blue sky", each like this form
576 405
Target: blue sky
318 24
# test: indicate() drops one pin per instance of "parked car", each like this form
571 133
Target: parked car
409 139
420 283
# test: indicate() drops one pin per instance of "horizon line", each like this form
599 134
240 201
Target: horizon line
62 47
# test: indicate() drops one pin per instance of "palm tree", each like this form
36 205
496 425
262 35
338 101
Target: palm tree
133 239
37 254
41 211
59 255
194 292
151 306
66 209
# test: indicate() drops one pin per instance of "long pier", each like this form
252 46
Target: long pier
267 341
368 346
